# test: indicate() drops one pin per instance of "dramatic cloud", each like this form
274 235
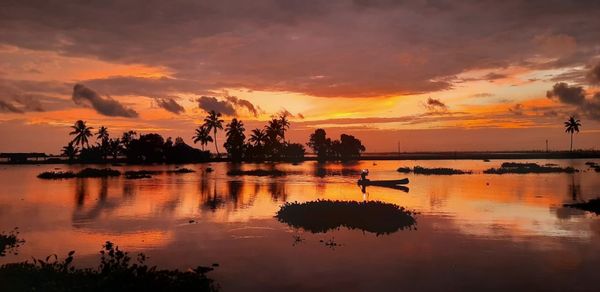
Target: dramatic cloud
83 95
574 95
338 48
238 102
170 104
210 103
435 105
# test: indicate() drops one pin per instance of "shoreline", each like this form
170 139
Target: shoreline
447 155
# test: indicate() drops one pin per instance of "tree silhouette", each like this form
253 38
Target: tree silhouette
214 123
203 136
70 151
103 135
115 148
81 132
572 126
258 137
235 139
284 125
320 144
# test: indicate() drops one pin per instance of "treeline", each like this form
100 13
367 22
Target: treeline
266 144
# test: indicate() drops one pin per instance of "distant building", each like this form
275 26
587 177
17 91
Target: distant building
22 157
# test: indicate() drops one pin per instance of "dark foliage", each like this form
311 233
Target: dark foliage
345 149
324 215
522 168
592 205
9 242
115 273
432 171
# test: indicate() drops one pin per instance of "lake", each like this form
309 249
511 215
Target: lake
472 232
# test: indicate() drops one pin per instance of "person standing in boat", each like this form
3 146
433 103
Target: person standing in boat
363 175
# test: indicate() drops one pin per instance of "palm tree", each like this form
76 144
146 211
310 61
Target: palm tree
572 126
70 151
213 122
235 139
102 133
284 125
203 136
81 132
258 137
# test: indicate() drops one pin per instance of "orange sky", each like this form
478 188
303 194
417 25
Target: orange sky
412 75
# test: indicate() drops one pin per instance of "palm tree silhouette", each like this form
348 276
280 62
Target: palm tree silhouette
284 125
70 151
102 133
213 122
203 136
258 137
81 132
572 126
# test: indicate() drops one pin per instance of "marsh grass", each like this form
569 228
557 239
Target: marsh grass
115 273
324 215
87 172
522 168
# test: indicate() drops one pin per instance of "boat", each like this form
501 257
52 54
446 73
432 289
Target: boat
382 183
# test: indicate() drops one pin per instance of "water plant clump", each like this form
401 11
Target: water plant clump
115 273
432 171
592 205
522 168
257 172
9 242
87 172
182 170
324 215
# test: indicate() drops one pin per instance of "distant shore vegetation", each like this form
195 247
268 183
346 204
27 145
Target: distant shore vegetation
261 144
523 168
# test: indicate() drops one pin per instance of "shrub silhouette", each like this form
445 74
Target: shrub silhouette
115 273
522 168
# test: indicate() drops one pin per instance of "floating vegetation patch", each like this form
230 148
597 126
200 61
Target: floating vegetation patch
115 273
592 205
88 172
432 171
521 168
9 242
323 215
182 170
257 172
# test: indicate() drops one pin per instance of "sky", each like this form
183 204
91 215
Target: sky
423 75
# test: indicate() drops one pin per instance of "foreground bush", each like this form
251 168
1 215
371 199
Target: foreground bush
9 242
115 273
324 215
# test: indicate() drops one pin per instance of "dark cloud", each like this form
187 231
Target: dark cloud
9 108
169 104
574 95
435 105
83 95
238 102
31 96
323 48
210 103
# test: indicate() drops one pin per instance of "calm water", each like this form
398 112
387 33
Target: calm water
476 231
